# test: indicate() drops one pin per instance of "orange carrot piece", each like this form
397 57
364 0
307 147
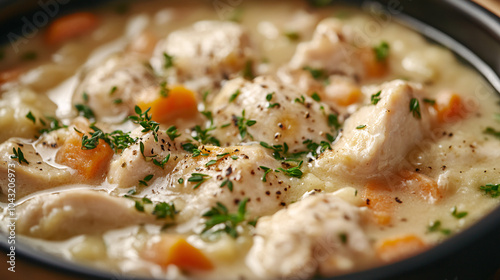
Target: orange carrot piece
91 164
179 103
177 251
379 199
422 184
70 26
373 67
399 248
449 107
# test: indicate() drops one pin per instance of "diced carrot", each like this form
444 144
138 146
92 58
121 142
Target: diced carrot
449 107
373 67
343 93
399 248
177 251
91 164
422 184
379 199
180 102
70 26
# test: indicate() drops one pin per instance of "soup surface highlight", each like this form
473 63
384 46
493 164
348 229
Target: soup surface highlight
261 139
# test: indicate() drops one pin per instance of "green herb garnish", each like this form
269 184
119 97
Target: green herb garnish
415 108
199 178
456 214
220 215
375 98
381 51
491 190
18 154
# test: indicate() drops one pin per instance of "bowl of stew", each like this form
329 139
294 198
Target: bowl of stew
250 139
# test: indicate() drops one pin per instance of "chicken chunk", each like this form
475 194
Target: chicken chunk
282 114
110 89
377 138
321 232
15 105
204 54
329 50
41 172
132 165
229 175
70 213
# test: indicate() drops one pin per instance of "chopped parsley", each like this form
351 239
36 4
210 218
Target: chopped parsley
266 170
415 108
227 183
163 210
113 90
30 117
139 205
234 95
301 100
293 171
248 70
198 178
146 179
381 51
315 149
18 154
53 125
316 97
234 157
203 136
343 238
317 74
85 111
333 120
172 133
144 119
242 123
269 97
169 61
437 227
375 98
163 89
456 214
491 131
85 97
292 36
429 101
117 140
180 181
189 147
219 215
361 126
163 162
118 101
491 190
211 162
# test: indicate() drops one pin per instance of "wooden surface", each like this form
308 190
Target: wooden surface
492 5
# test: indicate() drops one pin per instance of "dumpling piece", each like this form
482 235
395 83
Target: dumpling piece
376 138
321 232
41 172
281 114
133 165
330 51
229 175
205 54
110 89
70 213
